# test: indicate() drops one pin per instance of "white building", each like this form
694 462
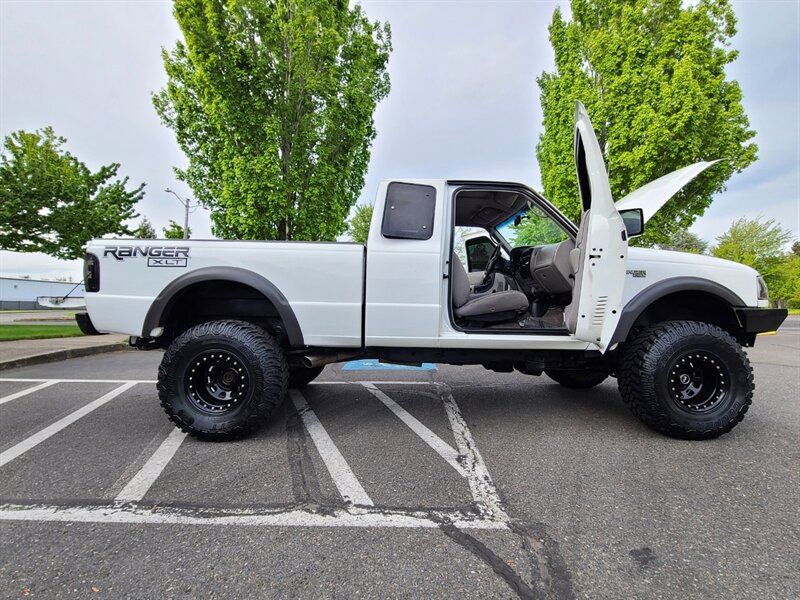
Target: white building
21 294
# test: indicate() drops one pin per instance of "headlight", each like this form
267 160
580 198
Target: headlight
763 293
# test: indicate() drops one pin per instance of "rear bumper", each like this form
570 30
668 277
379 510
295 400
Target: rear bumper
759 320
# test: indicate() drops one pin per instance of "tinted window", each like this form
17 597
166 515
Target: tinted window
409 211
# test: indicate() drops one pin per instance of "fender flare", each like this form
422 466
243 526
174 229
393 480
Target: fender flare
641 301
234 274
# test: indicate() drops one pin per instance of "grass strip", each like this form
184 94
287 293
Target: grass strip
9 333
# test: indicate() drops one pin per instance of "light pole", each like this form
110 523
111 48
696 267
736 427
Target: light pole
186 206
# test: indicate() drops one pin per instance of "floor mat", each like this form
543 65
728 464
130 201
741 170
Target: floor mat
553 320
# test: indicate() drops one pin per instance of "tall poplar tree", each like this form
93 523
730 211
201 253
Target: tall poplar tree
652 76
272 101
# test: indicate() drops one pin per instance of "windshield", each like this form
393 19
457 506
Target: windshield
531 227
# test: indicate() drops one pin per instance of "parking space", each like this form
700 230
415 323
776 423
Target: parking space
454 482
359 437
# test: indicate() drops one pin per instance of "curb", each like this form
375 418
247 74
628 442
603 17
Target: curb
57 355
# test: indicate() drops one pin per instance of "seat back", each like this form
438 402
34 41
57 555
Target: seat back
460 282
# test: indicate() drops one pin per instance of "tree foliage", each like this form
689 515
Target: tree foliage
53 203
175 231
785 285
359 224
683 240
760 244
652 76
535 229
145 230
273 104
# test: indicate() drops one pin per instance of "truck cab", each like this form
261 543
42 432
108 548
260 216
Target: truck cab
455 271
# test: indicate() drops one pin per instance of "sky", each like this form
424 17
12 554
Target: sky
464 100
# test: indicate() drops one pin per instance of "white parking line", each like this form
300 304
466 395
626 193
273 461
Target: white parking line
23 379
137 487
347 517
362 382
37 438
441 447
481 485
467 461
25 392
346 482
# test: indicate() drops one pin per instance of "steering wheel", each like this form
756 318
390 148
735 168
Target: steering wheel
491 264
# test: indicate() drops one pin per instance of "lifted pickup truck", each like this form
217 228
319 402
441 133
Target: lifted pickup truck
241 321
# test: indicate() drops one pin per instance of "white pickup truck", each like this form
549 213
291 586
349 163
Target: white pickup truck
241 320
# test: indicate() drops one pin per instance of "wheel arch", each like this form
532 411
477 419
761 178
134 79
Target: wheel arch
171 296
690 298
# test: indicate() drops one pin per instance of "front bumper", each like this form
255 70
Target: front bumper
759 320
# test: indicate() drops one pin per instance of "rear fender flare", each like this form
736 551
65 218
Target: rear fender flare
162 303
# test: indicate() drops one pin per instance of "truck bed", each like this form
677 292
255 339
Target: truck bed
323 281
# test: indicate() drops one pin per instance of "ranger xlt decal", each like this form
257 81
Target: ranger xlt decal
157 256
636 272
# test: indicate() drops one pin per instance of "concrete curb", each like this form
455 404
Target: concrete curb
57 355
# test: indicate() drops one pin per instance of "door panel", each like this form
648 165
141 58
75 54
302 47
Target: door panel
404 266
600 257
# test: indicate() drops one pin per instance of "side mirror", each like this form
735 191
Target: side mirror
479 251
634 221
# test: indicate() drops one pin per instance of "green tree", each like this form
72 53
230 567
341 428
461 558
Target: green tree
145 230
652 76
683 240
175 231
359 224
53 203
785 285
757 243
273 103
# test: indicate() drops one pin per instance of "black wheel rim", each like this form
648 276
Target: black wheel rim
217 381
698 381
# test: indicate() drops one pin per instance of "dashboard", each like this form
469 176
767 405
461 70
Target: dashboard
543 270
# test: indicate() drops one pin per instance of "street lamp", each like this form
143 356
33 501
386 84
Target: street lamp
186 206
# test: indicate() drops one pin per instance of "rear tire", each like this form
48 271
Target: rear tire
686 379
578 380
302 376
222 380
85 324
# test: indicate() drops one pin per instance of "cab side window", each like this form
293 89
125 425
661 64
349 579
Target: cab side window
408 213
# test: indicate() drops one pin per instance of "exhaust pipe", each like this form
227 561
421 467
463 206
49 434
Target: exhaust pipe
317 360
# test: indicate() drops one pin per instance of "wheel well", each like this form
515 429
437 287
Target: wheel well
216 299
692 306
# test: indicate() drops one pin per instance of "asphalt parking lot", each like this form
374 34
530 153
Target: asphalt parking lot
451 483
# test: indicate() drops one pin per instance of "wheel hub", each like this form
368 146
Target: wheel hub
216 381
698 381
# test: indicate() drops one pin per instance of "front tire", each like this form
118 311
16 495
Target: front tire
686 379
222 380
577 380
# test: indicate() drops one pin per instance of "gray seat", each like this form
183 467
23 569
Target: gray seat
500 306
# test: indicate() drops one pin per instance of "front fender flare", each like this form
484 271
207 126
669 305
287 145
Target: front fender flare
162 302
641 301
